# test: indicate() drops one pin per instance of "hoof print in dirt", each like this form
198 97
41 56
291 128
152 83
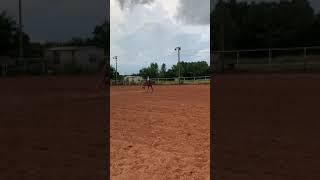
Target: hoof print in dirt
128 147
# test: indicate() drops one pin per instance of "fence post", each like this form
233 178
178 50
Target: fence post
270 56
4 69
305 59
237 57
43 67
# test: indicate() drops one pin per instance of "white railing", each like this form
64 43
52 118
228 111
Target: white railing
183 80
170 81
294 58
270 55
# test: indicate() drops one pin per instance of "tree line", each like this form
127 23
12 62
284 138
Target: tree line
187 69
252 25
9 35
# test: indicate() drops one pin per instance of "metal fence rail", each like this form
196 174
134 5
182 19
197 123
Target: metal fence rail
169 81
183 80
272 59
16 66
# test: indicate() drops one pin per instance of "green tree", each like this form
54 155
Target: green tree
8 33
113 73
171 72
144 72
101 35
243 25
9 38
163 70
152 71
189 69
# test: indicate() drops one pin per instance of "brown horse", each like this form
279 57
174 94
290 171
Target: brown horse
149 84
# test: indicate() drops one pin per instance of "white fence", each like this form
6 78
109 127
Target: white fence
273 58
170 81
183 80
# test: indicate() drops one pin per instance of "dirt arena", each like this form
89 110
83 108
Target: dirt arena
51 128
160 135
267 126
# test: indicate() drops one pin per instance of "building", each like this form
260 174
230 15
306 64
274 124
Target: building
87 58
133 80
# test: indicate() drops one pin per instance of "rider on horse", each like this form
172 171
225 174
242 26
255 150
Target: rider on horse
148 83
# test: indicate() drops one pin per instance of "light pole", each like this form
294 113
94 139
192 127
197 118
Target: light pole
178 49
222 30
116 58
21 34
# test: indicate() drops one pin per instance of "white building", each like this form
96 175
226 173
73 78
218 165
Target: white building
87 58
130 80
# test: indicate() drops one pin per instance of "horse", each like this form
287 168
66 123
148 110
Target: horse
149 84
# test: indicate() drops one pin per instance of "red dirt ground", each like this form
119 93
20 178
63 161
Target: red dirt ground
51 128
160 135
267 126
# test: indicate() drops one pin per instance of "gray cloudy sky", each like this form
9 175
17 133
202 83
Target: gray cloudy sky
56 20
142 31
145 31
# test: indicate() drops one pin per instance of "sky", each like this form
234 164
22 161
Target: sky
142 31
146 31
57 20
